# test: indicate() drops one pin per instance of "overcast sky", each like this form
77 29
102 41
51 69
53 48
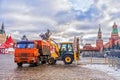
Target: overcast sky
65 18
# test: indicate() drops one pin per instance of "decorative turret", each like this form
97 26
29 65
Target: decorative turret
99 33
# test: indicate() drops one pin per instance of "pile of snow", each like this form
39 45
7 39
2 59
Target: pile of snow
105 68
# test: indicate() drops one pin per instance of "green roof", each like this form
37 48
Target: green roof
115 31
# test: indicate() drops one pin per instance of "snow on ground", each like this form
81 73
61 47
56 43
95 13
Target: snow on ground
105 68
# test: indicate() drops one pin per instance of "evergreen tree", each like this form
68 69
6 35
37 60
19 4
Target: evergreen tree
24 38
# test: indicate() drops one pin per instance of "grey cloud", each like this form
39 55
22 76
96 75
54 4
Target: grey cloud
90 26
90 39
115 15
95 1
71 34
92 14
64 17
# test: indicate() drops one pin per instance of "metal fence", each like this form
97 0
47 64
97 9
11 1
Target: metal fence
93 60
114 62
92 54
109 60
112 58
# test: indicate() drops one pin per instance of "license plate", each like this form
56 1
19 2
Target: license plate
23 59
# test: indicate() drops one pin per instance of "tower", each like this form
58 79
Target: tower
114 35
99 41
2 34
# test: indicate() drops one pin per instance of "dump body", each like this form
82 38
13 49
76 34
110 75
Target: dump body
44 47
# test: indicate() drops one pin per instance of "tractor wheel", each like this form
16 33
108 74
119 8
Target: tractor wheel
68 59
19 64
51 61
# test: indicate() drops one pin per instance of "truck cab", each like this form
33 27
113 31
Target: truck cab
26 52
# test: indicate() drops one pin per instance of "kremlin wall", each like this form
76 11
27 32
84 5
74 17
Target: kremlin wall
113 42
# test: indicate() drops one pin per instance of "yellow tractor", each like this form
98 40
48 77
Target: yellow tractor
66 51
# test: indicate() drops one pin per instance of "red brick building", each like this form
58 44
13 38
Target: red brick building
89 47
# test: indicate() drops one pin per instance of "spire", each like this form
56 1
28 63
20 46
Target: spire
2 27
99 29
99 33
114 23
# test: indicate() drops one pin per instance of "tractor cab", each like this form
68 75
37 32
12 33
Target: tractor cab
66 52
66 47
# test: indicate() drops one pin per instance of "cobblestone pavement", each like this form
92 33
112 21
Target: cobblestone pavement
10 71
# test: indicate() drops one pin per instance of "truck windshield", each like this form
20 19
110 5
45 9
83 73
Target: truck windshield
25 45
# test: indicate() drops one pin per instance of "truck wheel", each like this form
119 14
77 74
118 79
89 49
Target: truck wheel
19 64
51 61
43 62
68 59
37 62
55 61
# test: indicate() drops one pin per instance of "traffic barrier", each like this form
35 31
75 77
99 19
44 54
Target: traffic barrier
6 51
2 51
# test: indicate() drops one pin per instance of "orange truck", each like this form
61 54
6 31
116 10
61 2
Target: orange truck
31 52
